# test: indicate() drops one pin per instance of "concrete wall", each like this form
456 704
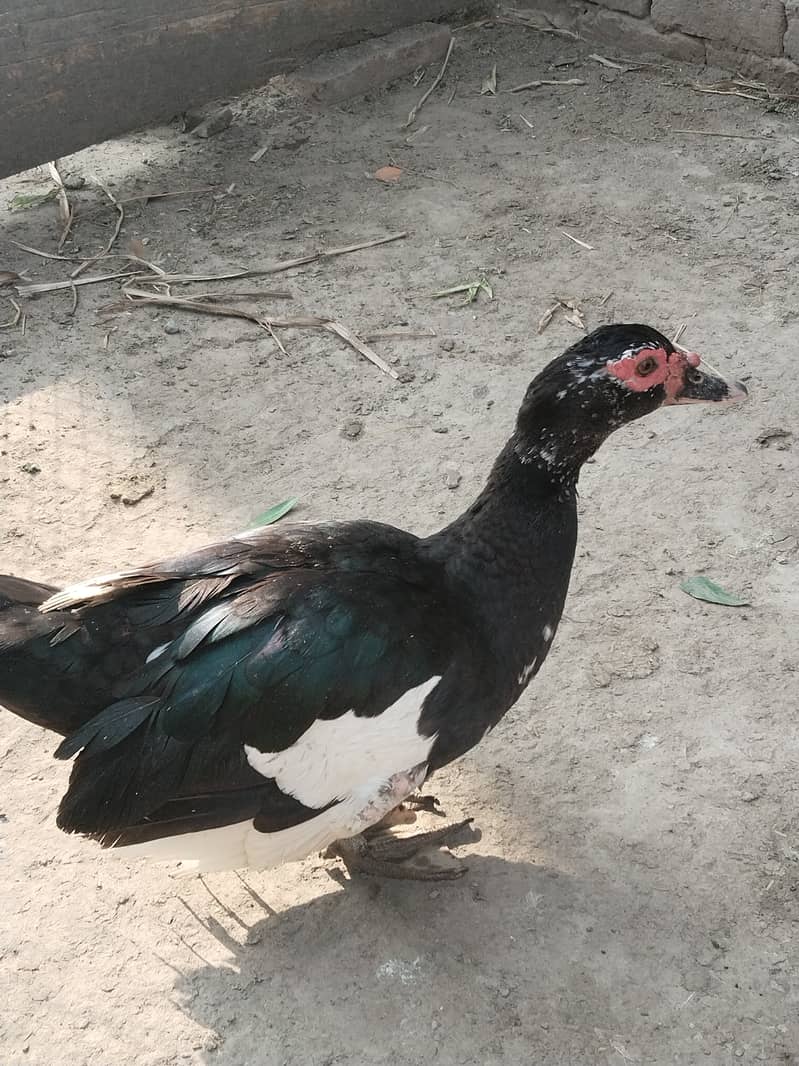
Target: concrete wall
74 72
757 38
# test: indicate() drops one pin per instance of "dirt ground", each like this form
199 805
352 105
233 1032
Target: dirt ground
634 897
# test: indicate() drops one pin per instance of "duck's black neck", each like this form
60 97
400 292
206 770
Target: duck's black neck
509 556
518 507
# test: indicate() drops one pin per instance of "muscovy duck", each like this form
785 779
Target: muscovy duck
286 690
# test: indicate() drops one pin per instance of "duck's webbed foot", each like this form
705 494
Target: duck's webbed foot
378 853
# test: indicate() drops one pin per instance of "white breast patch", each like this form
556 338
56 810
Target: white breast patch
335 757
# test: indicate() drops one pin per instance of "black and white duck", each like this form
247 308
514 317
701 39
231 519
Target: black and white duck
285 691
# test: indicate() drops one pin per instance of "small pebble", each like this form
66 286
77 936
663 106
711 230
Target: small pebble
171 327
30 468
405 376
213 123
452 478
447 345
441 429
352 429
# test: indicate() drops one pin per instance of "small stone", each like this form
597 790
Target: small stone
441 429
30 468
405 375
74 181
352 429
171 327
452 477
135 488
213 124
447 345
504 992
253 938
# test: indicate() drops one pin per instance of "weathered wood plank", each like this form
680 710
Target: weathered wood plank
75 72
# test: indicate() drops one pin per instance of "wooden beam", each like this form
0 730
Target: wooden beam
75 72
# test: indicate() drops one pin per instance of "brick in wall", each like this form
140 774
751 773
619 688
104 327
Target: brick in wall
780 72
630 36
749 25
791 42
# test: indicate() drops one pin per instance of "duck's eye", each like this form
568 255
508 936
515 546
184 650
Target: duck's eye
646 366
694 376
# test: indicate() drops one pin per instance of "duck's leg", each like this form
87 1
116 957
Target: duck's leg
378 853
431 804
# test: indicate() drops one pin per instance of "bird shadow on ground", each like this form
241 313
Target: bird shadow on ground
384 972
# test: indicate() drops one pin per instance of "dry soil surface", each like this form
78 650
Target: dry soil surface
634 896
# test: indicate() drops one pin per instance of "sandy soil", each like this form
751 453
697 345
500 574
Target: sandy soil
634 895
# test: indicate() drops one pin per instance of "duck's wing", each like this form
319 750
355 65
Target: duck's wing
293 686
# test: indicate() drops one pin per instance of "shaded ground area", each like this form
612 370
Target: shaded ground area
634 896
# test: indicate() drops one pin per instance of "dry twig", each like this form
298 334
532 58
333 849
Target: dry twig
65 212
141 296
716 133
400 334
611 64
120 220
43 255
588 247
147 196
329 253
543 81
415 110
56 286
13 321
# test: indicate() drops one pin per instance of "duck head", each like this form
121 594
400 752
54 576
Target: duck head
614 375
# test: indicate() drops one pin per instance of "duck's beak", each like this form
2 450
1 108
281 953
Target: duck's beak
702 384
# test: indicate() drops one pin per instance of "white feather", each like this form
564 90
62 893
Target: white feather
92 589
235 846
335 757
527 672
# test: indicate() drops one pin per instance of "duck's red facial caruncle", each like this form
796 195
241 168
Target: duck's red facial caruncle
644 368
